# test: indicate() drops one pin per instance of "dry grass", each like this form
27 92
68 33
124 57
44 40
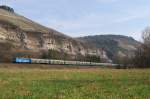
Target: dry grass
73 83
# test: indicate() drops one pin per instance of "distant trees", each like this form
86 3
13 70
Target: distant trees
5 52
141 57
54 54
124 60
7 8
142 54
92 58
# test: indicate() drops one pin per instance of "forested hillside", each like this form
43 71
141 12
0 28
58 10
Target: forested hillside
114 45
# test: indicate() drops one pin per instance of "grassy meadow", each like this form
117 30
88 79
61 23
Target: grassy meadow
71 83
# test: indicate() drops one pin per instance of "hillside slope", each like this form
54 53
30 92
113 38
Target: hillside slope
21 36
114 45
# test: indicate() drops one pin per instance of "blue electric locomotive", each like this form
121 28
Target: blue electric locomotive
22 60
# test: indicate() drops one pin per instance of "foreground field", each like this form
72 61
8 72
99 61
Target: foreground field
90 83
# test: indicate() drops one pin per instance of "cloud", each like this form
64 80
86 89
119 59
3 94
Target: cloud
134 15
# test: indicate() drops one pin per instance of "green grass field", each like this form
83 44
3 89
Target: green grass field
90 83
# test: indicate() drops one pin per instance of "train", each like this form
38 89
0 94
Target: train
59 62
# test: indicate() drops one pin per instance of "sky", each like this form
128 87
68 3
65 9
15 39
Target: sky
87 17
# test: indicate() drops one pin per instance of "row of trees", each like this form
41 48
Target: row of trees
141 57
142 54
53 54
7 8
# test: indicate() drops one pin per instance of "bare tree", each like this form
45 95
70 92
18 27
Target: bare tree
146 36
142 55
